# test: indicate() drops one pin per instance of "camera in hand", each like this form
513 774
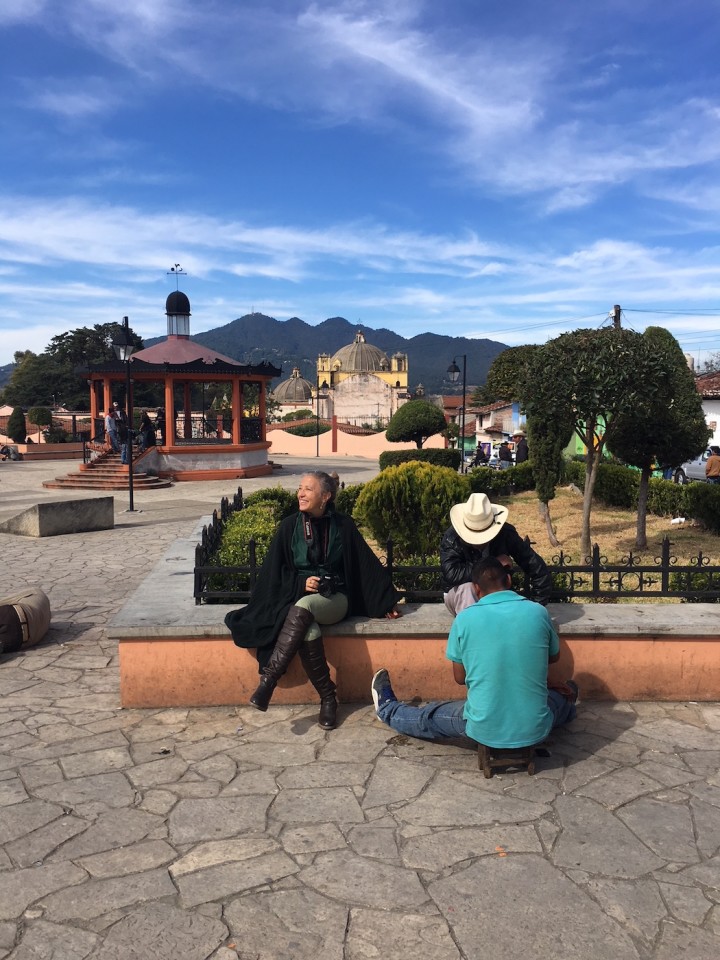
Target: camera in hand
326 587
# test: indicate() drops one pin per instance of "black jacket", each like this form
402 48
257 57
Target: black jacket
457 559
279 586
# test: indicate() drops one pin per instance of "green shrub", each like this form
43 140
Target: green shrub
665 498
16 427
702 502
617 486
286 500
699 582
521 476
440 458
257 522
574 472
308 429
346 498
56 434
411 504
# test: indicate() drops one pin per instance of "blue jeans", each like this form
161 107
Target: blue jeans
444 718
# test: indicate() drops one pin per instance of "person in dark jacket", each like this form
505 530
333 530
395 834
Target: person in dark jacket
148 437
318 570
505 455
521 447
479 530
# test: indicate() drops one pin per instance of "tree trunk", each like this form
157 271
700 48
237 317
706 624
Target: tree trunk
591 469
641 532
544 511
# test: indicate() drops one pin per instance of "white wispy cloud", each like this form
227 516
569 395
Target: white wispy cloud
497 105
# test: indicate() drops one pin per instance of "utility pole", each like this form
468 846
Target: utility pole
616 316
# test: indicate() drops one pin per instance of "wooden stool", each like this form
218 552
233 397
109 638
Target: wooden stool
490 758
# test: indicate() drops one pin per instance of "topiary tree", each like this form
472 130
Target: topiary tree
16 426
590 377
40 417
667 431
414 422
411 504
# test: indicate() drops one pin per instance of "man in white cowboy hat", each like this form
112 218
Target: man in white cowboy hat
521 446
480 529
500 649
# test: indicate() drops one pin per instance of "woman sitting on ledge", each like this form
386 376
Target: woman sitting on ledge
318 570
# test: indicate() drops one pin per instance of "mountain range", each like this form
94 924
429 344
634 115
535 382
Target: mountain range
294 343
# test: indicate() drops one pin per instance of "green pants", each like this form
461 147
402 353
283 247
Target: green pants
324 609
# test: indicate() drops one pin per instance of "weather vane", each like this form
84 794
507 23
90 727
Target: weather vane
176 270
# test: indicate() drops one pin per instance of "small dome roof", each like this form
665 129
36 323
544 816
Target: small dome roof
360 357
178 303
295 389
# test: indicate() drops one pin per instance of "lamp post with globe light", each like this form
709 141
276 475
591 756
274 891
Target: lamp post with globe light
124 351
454 372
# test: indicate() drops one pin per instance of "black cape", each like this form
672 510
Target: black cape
279 586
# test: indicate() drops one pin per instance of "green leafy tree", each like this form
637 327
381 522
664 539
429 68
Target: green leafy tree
589 378
414 422
61 369
667 431
411 504
507 376
16 426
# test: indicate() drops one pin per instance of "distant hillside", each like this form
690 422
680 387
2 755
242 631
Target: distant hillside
288 343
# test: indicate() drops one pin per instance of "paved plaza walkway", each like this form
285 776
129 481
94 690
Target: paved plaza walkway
225 833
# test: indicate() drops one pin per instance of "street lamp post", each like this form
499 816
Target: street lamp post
454 372
317 415
124 352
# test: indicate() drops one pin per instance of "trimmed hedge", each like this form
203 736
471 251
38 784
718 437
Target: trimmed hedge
502 482
702 502
439 458
617 486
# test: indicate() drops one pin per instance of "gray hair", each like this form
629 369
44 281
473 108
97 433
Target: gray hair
327 484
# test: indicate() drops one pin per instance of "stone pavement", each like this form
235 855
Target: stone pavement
224 833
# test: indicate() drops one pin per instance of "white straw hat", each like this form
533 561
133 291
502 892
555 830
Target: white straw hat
478 521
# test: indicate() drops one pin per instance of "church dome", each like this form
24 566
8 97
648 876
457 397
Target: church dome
295 389
176 303
359 357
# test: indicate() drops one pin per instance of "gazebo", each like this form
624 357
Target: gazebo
225 441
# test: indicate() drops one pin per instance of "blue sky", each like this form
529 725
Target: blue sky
485 169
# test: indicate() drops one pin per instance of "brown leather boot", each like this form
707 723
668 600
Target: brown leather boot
316 666
297 623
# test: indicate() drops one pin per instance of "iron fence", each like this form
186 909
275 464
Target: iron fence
595 579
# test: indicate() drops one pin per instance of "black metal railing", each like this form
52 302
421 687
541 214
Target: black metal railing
596 579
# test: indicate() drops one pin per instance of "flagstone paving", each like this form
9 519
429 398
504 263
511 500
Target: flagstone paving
224 833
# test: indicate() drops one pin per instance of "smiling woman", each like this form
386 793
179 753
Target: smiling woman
317 571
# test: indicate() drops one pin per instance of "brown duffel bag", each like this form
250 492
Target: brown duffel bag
24 619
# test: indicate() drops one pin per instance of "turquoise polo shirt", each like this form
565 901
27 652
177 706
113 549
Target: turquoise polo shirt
503 641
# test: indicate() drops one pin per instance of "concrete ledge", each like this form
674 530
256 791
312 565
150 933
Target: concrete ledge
174 653
53 518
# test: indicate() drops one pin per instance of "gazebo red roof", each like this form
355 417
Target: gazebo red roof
175 350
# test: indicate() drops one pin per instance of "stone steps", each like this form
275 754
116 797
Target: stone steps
106 473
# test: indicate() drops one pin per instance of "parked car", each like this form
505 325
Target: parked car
692 469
